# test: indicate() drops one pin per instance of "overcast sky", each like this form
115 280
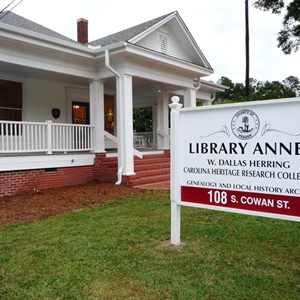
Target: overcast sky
216 25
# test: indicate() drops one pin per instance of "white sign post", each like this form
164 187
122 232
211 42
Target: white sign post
242 158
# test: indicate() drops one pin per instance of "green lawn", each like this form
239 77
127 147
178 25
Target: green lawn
121 250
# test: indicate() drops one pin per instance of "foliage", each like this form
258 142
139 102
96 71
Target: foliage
121 250
259 90
292 83
142 119
289 36
271 90
234 93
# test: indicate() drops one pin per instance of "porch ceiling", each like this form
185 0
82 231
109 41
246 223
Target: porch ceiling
142 84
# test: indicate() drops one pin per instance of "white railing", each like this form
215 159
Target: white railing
115 140
29 137
143 139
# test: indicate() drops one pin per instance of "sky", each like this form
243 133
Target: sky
218 26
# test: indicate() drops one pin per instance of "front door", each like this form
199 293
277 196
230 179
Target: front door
80 113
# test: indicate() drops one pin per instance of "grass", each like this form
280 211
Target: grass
121 250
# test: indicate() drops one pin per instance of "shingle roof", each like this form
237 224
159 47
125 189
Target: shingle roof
12 19
127 34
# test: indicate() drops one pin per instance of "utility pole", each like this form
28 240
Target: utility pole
247 80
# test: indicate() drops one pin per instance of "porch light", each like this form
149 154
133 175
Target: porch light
110 115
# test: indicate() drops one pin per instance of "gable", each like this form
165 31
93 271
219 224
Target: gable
173 39
165 41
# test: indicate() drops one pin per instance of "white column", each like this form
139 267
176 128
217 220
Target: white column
206 102
154 124
125 124
190 98
163 121
97 113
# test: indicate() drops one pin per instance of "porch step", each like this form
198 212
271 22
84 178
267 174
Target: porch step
154 168
150 169
138 180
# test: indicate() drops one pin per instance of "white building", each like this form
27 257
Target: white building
65 105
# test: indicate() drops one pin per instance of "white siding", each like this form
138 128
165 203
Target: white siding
174 48
41 97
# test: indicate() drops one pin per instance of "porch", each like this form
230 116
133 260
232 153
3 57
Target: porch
17 138
40 155
44 145
21 138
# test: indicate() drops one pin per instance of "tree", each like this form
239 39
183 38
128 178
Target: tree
259 90
289 36
293 83
247 78
234 93
142 119
264 90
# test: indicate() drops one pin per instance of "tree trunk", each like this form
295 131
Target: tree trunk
247 87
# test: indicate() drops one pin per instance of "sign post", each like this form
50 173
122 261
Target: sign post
242 158
175 187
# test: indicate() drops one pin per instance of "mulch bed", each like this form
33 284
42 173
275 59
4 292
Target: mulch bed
27 207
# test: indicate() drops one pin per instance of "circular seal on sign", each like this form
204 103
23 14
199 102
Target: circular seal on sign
245 124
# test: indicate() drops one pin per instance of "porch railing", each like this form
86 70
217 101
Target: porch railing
48 137
143 139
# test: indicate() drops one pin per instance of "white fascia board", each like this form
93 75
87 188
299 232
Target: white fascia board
113 49
170 61
17 163
151 29
48 66
26 36
213 86
192 41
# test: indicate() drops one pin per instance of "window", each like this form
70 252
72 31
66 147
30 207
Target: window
109 113
10 100
81 113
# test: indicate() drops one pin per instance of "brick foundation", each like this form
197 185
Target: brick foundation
17 182
152 168
105 168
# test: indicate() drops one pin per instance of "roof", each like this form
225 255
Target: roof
127 34
10 18
15 20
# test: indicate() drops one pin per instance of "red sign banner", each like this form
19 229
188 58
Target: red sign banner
257 202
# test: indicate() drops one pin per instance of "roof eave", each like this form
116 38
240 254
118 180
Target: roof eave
141 35
214 86
23 35
169 60
192 41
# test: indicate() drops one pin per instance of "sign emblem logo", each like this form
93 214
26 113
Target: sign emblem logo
245 124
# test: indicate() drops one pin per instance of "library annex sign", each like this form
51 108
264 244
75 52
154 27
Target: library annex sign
242 158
